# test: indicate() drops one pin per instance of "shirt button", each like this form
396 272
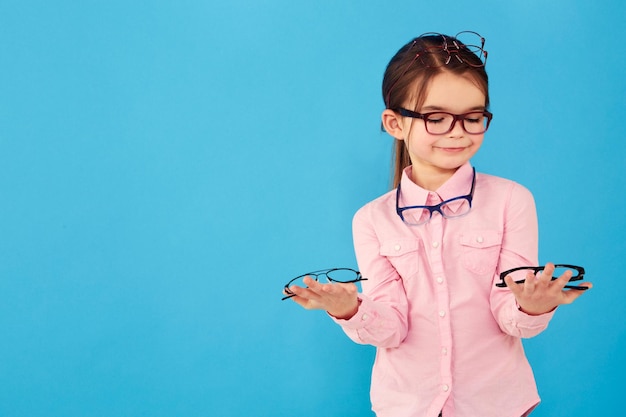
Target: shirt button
480 239
445 387
397 247
364 317
439 280
435 244
442 313
444 351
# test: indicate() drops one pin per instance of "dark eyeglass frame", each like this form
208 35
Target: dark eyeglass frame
479 51
455 118
326 273
437 207
454 47
579 273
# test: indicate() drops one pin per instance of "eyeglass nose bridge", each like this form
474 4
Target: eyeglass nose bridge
456 119
454 52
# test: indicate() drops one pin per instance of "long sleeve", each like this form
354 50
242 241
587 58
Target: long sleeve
430 304
519 248
382 316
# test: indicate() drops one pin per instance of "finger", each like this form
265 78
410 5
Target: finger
589 285
306 298
586 285
304 293
530 283
315 290
287 293
515 288
313 285
563 280
571 295
546 275
305 302
340 288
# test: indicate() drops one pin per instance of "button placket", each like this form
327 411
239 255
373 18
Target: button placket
435 239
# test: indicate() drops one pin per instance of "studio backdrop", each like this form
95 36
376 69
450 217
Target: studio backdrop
167 166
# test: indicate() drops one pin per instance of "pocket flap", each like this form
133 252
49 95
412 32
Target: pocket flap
481 238
398 247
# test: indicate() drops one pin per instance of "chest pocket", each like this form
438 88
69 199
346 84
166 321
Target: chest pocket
481 250
403 255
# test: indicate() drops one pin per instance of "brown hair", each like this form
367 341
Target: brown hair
412 68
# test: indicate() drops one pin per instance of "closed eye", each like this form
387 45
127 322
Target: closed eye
474 118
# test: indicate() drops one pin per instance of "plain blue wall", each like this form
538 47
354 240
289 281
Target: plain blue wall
167 165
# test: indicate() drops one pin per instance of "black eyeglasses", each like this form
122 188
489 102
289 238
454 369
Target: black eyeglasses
454 207
339 275
440 123
519 274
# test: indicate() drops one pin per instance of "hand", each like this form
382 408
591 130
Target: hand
540 295
339 300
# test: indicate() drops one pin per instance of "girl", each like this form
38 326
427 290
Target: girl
448 339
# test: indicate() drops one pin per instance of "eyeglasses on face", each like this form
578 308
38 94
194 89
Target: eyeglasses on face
338 275
519 274
454 207
440 123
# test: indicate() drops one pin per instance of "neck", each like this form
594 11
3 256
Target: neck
431 180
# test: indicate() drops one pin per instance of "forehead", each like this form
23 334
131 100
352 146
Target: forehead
454 93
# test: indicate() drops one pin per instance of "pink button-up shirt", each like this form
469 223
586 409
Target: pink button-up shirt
447 338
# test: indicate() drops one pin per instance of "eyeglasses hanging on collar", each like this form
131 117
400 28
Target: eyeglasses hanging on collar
454 207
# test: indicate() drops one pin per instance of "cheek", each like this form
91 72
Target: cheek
421 139
477 141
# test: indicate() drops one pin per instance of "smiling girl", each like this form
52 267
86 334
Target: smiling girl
448 339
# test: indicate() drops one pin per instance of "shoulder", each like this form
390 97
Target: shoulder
380 203
494 191
380 207
494 184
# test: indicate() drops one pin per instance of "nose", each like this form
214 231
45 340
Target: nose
457 128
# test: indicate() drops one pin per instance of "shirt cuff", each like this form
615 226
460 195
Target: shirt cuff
364 315
532 321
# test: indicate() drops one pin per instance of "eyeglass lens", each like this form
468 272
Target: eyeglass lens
449 209
474 42
440 123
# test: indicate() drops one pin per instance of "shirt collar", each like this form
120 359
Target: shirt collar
458 184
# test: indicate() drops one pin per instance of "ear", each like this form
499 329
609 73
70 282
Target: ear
392 123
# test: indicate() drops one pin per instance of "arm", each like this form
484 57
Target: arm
378 316
519 247
524 310
381 319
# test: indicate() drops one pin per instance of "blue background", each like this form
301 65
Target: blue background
166 166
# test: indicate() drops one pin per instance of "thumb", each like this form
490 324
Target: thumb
572 294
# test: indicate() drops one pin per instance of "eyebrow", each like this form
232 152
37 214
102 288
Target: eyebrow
443 109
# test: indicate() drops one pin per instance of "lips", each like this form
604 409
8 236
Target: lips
452 150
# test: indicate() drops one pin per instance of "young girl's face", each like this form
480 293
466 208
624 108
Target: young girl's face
444 154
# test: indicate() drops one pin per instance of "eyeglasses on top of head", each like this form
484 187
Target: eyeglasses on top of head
519 274
338 275
453 47
449 209
449 47
441 123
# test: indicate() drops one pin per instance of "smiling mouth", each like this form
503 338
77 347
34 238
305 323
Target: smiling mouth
457 149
